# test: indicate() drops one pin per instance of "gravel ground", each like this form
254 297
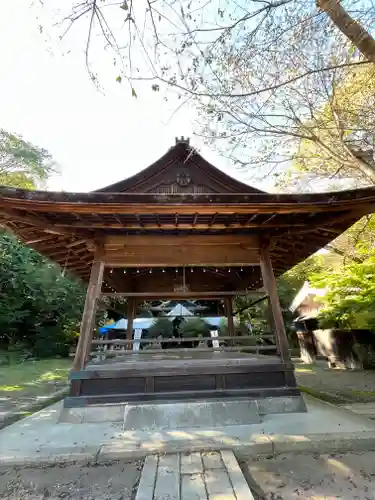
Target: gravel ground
345 383
306 477
115 481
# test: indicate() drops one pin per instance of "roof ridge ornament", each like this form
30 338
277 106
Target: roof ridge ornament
182 140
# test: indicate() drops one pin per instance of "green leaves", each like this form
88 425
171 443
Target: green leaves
350 300
161 326
39 307
22 164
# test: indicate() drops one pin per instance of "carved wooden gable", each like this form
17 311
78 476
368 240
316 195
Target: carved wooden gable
182 178
181 171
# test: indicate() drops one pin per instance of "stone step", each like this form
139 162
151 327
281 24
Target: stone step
164 414
190 414
193 476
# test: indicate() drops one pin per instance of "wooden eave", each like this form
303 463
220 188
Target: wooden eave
65 226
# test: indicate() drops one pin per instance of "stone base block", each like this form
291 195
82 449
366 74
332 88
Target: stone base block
190 414
282 404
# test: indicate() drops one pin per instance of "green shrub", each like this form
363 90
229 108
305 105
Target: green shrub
194 327
39 306
161 326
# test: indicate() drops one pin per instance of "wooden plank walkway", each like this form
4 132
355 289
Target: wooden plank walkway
193 476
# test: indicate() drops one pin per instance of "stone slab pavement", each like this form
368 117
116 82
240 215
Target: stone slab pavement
42 439
193 476
311 476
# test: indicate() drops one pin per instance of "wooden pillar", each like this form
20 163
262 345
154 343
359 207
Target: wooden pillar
229 311
131 314
88 317
271 323
269 283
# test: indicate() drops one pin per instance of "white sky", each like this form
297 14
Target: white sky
96 139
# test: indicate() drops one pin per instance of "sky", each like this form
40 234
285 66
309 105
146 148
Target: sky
96 138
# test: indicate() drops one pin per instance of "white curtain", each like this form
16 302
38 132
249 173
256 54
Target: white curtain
137 336
215 343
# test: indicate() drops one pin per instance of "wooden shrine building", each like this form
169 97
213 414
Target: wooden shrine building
180 229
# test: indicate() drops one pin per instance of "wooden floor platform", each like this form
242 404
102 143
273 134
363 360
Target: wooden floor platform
145 377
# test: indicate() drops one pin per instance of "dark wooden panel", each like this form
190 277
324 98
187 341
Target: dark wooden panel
152 369
185 383
113 386
253 380
161 256
290 378
149 384
220 382
73 402
75 388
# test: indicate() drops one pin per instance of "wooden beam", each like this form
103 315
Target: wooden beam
131 314
38 239
62 253
78 267
229 311
212 221
165 226
114 242
182 340
92 295
130 203
186 295
179 256
250 219
48 228
269 282
271 322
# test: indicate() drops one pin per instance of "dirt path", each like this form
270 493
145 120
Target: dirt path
347 386
117 481
305 477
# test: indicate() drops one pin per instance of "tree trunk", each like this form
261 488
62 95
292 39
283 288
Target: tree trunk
367 169
351 28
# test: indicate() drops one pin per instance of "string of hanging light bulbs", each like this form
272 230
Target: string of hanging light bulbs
177 270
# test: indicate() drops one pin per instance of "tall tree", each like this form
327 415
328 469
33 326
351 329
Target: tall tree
157 39
351 28
257 68
22 164
337 138
40 307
